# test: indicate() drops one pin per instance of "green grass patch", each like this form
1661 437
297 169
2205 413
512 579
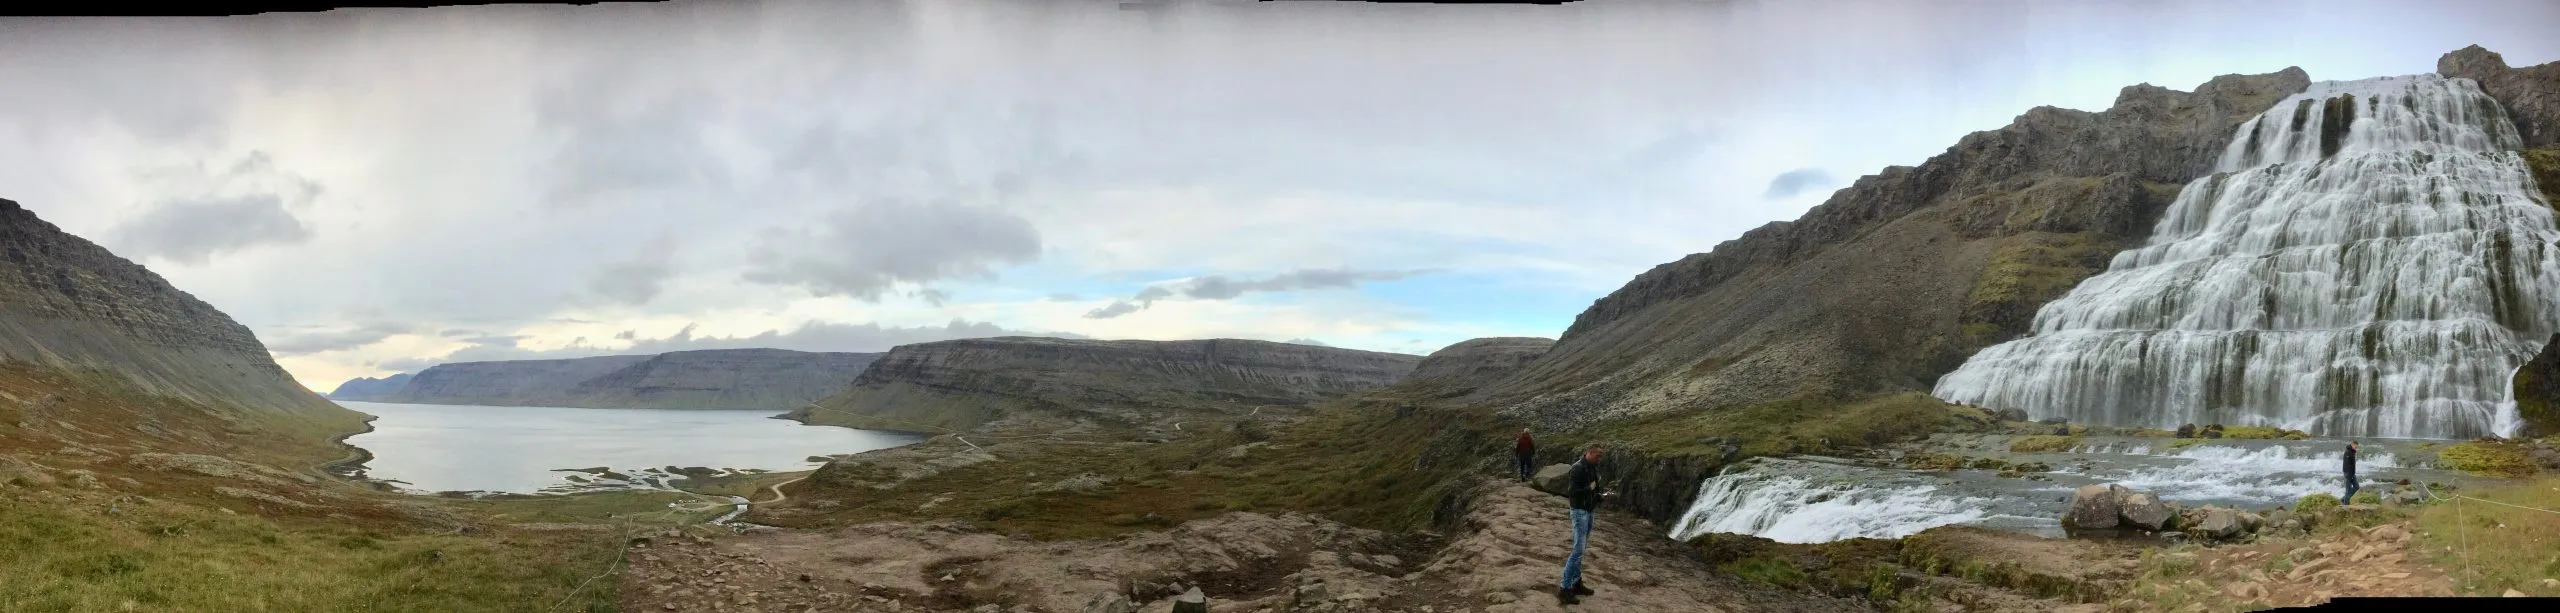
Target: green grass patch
2502 547
1797 425
2315 503
2484 458
2263 433
2043 443
1770 571
168 556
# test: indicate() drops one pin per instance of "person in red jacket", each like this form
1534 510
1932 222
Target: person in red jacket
1524 452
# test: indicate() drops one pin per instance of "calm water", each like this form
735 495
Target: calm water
439 447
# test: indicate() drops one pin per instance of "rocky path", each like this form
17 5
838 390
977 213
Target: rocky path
2290 572
1506 558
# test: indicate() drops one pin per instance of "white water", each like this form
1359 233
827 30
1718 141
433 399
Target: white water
1813 501
2389 289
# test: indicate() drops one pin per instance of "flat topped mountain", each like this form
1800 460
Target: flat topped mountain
1475 363
702 379
70 304
957 385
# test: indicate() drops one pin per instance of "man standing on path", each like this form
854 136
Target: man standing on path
1524 452
2350 456
1583 493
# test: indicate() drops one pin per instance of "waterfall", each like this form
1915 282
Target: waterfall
2370 258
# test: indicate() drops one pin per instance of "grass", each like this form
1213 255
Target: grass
168 556
2486 458
641 507
2263 433
2315 503
2501 547
2043 443
1352 463
1801 424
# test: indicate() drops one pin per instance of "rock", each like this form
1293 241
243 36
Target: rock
2250 522
988 608
2187 431
2512 593
2143 510
2307 568
1191 601
2093 507
2010 415
2218 523
1552 478
1109 602
1500 597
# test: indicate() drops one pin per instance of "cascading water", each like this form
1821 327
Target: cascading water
2370 259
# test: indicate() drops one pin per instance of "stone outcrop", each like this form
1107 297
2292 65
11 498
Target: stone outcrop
69 304
2530 94
1475 363
2143 511
960 384
705 379
1898 277
2537 390
2094 507
369 388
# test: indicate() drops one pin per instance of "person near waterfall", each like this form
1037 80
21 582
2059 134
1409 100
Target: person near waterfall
1583 494
2350 458
1524 455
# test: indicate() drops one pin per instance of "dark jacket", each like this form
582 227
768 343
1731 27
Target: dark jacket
1582 488
2351 460
1524 446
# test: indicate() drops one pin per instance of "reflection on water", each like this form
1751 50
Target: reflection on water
435 447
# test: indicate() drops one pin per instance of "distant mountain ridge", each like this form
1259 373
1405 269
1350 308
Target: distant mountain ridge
702 379
961 384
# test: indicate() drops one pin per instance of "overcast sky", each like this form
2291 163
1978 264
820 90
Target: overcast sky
376 191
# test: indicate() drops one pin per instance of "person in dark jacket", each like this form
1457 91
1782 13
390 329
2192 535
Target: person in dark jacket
1524 452
2350 456
1582 491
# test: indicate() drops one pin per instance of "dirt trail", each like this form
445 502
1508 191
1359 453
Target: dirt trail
1506 558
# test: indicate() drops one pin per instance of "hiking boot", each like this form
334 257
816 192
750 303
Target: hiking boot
1565 597
1581 590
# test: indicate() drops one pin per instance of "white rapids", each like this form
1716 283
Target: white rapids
2371 258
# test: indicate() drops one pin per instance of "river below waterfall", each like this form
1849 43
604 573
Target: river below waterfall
439 448
1821 499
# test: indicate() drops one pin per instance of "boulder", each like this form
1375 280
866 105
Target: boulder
1552 478
2218 523
2143 511
2251 522
1109 602
1191 601
2187 431
2093 507
2010 415
2405 496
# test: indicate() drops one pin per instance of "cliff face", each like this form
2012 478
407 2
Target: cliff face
705 379
68 305
1475 363
724 379
2531 94
957 385
1900 276
369 388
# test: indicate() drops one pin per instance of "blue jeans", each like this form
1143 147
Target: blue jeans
2351 490
1573 562
1524 462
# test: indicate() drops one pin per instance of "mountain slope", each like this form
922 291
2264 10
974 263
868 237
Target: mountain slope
960 384
369 388
1897 278
703 379
70 307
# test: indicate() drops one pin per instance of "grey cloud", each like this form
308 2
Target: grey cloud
305 343
933 296
810 336
626 335
1219 287
457 332
638 280
863 252
1789 183
192 231
1065 297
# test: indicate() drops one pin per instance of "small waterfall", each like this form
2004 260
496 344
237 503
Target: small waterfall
1795 510
2370 259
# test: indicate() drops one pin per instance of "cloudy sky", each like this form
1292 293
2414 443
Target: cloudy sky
380 190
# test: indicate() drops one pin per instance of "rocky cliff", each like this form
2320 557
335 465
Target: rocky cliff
704 379
2537 392
1474 363
2530 94
369 388
957 385
1898 277
68 305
